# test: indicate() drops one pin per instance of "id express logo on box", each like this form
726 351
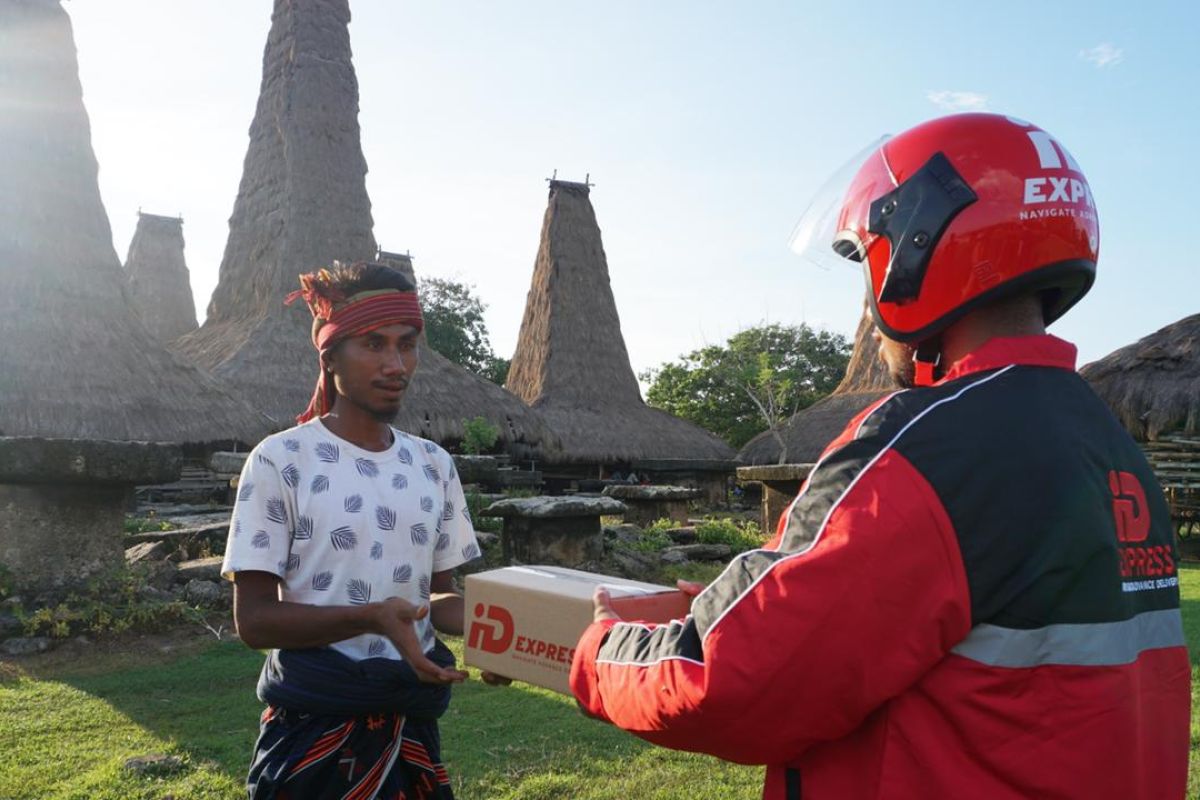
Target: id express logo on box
493 631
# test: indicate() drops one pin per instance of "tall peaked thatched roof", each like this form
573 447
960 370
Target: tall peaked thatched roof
159 286
1153 385
808 431
76 362
571 363
443 395
301 205
865 372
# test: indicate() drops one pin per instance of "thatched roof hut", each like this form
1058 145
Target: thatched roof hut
159 287
302 204
807 433
571 363
443 395
1153 385
76 361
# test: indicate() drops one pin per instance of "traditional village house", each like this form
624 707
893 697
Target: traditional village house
159 286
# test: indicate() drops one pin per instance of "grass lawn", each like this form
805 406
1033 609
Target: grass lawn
70 719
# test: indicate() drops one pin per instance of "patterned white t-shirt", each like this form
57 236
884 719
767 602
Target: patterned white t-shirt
341 525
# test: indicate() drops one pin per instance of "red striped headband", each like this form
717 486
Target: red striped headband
358 315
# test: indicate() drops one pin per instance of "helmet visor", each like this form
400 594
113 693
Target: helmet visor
820 227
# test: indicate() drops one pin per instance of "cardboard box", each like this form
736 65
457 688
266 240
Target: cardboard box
523 622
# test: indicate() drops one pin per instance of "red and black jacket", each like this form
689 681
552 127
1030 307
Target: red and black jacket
974 595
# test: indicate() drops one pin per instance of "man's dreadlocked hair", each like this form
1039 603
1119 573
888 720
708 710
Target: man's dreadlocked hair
325 289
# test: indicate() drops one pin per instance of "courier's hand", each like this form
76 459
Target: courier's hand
690 588
602 606
394 619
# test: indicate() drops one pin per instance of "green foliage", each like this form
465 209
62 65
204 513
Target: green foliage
740 536
113 603
771 371
654 537
147 523
455 327
479 436
476 503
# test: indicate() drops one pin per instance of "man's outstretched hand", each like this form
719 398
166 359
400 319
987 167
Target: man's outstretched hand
394 619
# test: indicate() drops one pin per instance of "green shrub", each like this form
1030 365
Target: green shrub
147 523
654 537
479 436
113 603
739 536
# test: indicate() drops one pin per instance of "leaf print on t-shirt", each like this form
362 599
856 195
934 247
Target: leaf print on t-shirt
420 534
261 540
402 574
427 504
366 467
293 562
327 452
430 447
405 455
246 492
471 552
359 592
262 459
276 511
424 587
376 551
291 476
304 528
353 504
448 511
386 518
443 541
293 445
377 648
399 481
322 581
343 538
320 483
431 472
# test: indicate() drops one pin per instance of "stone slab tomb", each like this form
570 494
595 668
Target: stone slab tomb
562 531
780 485
650 503
62 506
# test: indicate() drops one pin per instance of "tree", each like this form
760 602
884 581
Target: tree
455 327
754 382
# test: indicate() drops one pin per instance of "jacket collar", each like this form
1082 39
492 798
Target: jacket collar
1032 351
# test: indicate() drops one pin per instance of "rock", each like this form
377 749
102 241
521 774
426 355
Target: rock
226 463
700 552
487 540
155 594
154 766
624 532
11 603
158 574
685 535
548 507
672 555
26 646
146 551
30 459
203 569
206 594
82 641
634 492
9 625
634 565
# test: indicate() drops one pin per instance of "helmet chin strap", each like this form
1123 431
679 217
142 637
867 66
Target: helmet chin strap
926 360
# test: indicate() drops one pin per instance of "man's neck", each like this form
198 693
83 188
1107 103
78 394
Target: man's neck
358 427
1021 317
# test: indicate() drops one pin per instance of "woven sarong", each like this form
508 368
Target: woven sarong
337 729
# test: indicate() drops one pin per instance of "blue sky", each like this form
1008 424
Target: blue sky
706 128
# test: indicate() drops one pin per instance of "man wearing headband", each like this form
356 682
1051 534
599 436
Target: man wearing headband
341 548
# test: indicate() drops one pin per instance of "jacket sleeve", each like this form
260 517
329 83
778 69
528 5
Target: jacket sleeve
861 594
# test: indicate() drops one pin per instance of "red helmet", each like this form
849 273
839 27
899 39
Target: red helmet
962 211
